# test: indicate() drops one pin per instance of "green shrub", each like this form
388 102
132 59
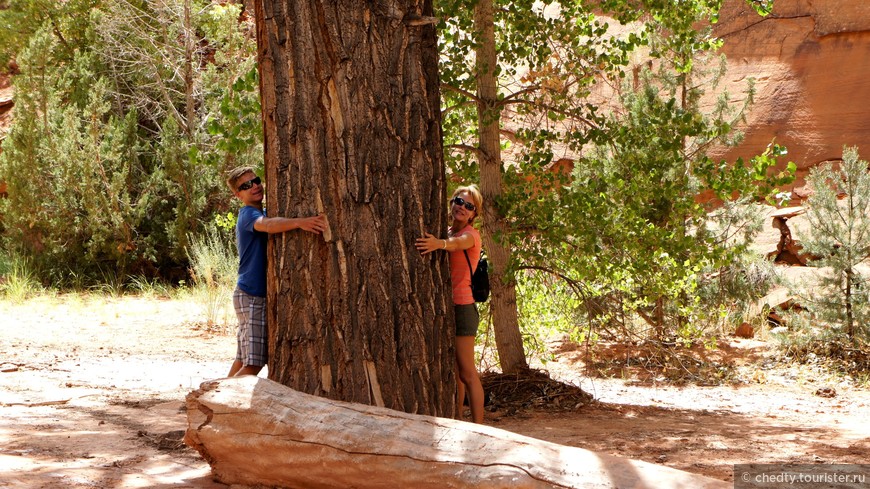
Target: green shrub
17 282
728 297
214 265
149 287
112 159
547 309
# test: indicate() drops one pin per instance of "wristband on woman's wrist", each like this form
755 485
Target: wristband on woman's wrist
445 244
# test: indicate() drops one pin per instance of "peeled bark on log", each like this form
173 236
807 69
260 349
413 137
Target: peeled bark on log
254 431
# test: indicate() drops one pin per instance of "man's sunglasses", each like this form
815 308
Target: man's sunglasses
250 183
463 203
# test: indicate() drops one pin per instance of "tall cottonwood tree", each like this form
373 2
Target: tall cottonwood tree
508 339
352 130
520 73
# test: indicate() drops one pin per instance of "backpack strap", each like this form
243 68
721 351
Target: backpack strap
468 260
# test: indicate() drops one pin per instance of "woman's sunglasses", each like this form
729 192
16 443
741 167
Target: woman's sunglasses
463 203
250 183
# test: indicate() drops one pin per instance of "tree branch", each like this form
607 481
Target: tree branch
454 107
464 147
507 100
460 91
553 109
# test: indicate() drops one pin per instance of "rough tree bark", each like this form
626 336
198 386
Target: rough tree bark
503 299
352 130
256 432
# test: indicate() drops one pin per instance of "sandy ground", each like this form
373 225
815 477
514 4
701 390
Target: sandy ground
91 393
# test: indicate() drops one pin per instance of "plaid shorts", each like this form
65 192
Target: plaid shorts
251 311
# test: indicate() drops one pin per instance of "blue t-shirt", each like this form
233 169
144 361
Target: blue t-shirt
252 252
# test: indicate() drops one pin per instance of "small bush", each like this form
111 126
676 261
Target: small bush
150 288
214 268
17 281
728 296
547 309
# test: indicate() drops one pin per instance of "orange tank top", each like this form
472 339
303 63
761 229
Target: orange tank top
460 275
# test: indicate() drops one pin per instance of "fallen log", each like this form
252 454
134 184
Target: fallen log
254 431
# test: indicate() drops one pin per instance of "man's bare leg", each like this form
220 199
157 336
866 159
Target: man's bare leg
237 370
237 365
248 370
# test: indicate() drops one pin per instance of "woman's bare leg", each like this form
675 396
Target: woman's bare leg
468 376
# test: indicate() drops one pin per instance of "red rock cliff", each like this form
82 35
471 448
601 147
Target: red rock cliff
810 62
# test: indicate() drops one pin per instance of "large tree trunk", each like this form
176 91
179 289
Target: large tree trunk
352 130
256 432
503 299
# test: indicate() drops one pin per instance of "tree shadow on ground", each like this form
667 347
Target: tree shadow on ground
704 441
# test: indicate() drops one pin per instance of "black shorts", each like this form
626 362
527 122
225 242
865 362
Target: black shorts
466 319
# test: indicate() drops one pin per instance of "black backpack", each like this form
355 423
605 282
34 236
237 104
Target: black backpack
479 278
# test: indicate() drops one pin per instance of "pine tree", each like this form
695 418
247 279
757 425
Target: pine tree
840 236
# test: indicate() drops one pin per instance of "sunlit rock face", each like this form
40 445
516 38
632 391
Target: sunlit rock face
810 60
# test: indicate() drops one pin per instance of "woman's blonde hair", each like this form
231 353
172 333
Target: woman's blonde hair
476 198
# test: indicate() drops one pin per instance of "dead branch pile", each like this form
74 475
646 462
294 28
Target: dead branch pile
673 362
851 358
531 389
